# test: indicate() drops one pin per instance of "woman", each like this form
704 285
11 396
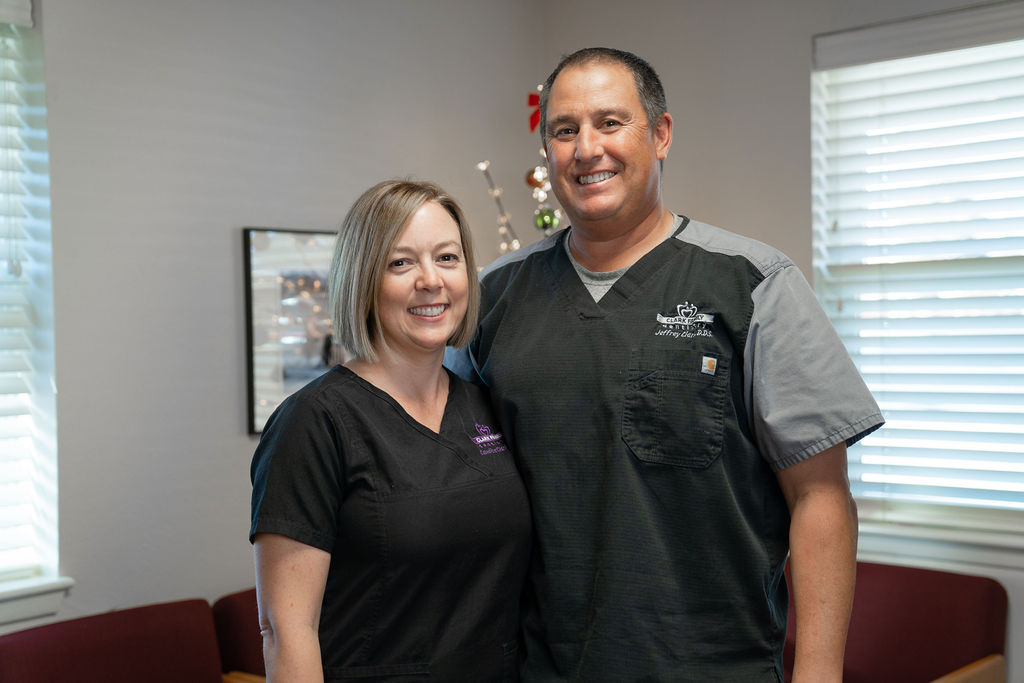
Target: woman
390 527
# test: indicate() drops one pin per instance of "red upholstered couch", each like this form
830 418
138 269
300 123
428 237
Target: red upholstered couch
237 619
913 625
169 642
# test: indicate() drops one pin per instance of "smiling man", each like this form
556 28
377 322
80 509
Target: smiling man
680 409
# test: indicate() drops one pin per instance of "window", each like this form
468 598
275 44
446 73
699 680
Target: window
28 476
918 199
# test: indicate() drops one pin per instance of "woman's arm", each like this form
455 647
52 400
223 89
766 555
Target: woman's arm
290 581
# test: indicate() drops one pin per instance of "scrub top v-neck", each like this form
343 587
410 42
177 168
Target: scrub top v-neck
429 533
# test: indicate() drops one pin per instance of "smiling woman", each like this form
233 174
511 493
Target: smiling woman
363 256
424 291
390 526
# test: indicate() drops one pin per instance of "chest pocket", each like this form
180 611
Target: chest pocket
672 411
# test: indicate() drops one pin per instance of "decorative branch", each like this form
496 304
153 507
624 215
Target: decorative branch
509 240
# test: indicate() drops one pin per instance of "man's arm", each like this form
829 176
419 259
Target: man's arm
823 561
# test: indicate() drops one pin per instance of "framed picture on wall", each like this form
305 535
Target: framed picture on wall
288 324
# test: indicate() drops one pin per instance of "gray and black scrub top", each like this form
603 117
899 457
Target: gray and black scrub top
648 426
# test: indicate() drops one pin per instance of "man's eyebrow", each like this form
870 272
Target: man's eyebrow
564 118
616 112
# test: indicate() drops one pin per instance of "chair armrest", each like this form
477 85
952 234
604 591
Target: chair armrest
242 677
991 669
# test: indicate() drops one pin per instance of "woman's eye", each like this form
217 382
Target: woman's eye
449 258
398 263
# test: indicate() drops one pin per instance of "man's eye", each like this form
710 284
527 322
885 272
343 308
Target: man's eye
565 132
610 124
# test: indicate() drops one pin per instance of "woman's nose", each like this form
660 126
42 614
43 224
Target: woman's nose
430 278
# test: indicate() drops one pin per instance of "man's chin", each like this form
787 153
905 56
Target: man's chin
591 212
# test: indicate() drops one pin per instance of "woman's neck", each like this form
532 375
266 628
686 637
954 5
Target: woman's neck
419 385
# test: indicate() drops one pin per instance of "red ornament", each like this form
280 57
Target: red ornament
533 100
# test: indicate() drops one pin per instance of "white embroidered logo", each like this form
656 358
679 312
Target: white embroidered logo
688 322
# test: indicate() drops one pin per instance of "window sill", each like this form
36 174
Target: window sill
32 598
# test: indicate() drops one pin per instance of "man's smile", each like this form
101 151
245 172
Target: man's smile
594 177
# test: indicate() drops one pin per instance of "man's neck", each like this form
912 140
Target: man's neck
602 248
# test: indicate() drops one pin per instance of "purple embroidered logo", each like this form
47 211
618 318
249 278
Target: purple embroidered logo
489 442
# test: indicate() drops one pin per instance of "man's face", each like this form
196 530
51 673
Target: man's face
604 158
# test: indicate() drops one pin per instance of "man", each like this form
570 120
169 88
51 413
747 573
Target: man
680 408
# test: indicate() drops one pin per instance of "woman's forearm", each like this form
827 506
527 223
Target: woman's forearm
290 582
292 656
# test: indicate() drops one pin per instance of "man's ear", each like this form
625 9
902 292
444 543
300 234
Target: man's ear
663 136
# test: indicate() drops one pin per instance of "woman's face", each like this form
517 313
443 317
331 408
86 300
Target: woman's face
424 290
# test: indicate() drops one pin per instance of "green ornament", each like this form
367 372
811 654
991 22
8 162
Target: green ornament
545 219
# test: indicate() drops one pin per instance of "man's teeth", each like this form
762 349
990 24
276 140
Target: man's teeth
596 177
428 310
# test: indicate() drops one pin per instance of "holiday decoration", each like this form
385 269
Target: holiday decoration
509 241
545 218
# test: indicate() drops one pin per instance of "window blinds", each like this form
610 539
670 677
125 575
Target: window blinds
918 198
16 12
28 474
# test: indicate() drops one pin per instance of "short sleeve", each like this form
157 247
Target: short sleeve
805 393
298 473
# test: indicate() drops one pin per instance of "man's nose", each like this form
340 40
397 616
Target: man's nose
588 144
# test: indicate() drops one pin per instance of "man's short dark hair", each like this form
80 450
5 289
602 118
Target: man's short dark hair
648 85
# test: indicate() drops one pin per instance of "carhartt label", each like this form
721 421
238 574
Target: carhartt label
708 365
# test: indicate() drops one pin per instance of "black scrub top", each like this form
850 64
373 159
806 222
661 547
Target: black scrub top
429 534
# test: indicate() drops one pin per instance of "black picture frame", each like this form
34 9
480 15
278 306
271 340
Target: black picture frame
287 314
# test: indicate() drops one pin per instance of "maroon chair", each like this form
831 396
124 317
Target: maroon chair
163 643
913 625
237 620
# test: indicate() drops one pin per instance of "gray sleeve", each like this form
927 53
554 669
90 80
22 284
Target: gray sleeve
803 391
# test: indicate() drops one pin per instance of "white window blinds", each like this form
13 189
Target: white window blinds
918 198
28 475
16 12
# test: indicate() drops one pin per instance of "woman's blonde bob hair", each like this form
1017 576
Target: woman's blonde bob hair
361 251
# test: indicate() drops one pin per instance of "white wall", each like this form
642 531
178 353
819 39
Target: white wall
737 76
175 124
172 126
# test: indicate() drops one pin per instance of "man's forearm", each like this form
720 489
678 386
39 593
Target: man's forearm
823 564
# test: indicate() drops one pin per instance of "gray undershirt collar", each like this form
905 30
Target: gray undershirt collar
598 283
